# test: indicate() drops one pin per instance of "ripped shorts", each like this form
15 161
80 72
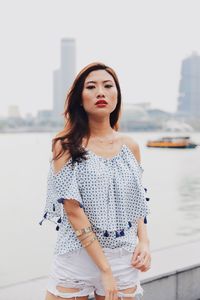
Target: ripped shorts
77 270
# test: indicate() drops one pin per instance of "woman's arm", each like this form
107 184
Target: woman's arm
141 257
142 232
79 220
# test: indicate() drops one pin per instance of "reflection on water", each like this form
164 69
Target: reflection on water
173 178
189 206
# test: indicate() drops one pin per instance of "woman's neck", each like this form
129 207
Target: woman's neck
100 127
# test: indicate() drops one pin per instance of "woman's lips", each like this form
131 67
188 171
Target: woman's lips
101 103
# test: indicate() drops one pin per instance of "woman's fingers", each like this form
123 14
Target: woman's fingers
135 255
107 296
143 262
144 269
146 265
139 261
113 295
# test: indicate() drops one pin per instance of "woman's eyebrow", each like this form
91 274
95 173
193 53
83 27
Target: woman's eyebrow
92 81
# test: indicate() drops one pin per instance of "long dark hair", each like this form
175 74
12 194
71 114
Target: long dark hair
76 120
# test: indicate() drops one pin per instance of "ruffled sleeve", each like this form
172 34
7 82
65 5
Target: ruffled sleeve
61 186
141 196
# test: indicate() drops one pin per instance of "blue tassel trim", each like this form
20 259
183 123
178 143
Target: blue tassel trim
147 199
61 200
106 234
41 221
117 234
122 232
145 189
54 208
57 227
44 217
145 220
59 220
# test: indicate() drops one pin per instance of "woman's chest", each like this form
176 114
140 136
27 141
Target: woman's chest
97 176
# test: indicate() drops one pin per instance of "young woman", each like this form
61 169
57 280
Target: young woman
96 197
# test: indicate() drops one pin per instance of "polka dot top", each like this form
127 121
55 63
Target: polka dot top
109 190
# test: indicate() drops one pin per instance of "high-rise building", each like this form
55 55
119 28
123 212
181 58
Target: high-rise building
189 87
63 77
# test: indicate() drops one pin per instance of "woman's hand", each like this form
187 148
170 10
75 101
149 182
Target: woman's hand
141 259
109 285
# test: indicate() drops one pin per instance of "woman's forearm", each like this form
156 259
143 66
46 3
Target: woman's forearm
142 231
79 220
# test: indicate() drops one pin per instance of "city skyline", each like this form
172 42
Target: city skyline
144 42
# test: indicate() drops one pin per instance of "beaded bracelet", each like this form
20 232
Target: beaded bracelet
90 242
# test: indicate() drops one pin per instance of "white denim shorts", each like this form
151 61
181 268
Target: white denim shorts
78 270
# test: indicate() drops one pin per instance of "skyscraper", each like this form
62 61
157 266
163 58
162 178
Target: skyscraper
189 87
63 77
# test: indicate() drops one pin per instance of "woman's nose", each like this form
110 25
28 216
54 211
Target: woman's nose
100 92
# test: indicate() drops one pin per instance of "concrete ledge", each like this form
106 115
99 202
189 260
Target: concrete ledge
183 285
158 288
175 275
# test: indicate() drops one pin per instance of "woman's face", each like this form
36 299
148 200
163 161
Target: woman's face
99 86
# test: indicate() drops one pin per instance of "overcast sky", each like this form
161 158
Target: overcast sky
144 41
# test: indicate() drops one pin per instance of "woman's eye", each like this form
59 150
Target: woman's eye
93 86
90 87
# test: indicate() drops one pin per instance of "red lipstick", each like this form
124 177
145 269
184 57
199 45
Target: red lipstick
101 101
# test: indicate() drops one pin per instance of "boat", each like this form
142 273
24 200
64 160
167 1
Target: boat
172 142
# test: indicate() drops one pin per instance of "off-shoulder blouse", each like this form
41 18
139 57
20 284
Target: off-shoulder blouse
110 192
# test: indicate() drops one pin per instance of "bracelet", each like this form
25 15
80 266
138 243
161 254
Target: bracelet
83 230
85 237
90 242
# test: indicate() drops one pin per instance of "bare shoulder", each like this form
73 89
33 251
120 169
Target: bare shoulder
57 149
130 142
